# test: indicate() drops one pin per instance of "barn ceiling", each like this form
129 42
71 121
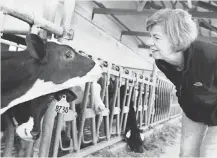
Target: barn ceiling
132 18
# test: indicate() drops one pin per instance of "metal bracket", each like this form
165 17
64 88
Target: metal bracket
68 34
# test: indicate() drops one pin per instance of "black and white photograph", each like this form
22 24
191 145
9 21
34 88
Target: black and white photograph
108 78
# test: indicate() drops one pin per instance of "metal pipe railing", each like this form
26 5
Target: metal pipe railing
12 44
32 19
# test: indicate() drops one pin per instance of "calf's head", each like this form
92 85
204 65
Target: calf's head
57 62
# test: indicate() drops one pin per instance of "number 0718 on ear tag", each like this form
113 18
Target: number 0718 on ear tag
62 106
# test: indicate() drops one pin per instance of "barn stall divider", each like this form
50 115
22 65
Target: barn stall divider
87 131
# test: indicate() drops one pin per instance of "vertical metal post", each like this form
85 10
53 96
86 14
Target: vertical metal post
152 93
161 98
36 146
93 120
141 104
102 95
118 115
49 13
69 7
29 149
9 134
113 103
107 106
57 134
74 129
131 90
124 102
83 109
47 129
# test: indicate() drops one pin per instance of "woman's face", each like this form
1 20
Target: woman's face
159 43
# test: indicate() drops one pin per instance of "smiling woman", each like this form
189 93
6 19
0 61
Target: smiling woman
191 65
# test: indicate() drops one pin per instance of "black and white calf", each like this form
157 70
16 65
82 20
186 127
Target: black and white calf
31 77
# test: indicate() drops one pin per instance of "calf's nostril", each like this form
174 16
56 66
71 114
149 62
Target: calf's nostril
35 135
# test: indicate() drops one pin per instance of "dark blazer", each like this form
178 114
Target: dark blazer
197 84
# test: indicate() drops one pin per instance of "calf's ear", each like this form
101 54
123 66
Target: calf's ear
36 46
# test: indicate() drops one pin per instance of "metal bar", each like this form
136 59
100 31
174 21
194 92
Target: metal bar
206 25
15 31
32 19
118 115
144 104
82 120
29 149
123 103
189 3
93 120
102 95
14 38
168 100
2 19
49 13
122 11
47 129
12 44
207 6
113 103
131 90
69 7
143 46
157 103
107 106
147 12
88 150
135 33
145 33
160 99
9 141
74 129
164 99
140 104
147 101
152 4
57 134
152 93
36 146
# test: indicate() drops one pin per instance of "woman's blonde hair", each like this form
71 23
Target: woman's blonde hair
178 25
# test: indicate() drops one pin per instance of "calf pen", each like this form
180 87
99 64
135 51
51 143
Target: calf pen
88 131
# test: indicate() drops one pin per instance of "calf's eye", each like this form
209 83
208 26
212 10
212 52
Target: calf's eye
68 54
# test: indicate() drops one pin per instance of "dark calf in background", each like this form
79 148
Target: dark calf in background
133 135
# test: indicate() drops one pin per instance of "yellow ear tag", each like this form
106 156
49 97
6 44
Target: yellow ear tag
62 106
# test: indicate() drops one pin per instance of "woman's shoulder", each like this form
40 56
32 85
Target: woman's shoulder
205 48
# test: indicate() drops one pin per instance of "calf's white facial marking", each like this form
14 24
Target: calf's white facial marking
99 105
142 136
24 130
128 134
